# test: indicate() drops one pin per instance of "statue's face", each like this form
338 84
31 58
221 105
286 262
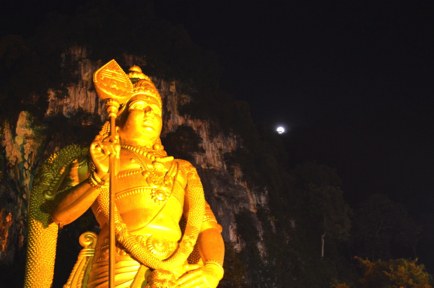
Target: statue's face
143 124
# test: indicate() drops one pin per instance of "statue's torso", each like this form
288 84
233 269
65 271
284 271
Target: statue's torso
150 199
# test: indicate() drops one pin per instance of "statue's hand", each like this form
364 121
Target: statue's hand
200 276
102 146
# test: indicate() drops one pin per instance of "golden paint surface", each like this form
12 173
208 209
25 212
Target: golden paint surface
166 233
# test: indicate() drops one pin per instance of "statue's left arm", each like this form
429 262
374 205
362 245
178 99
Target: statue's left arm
211 248
209 243
212 251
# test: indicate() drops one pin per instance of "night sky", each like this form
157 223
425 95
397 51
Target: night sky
320 65
296 61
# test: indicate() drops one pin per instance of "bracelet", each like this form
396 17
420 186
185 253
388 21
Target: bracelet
98 180
95 182
217 265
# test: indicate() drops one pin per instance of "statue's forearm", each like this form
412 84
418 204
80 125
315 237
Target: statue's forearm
72 203
211 246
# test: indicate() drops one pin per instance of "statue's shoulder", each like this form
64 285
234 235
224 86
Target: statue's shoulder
185 166
189 171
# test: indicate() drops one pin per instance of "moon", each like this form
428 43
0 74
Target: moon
280 130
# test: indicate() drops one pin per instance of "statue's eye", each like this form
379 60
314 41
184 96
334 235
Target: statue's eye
156 109
143 105
137 105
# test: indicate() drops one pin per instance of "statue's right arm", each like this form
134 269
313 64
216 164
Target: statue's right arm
73 202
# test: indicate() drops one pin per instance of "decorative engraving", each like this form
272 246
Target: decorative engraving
111 82
80 272
159 195
160 247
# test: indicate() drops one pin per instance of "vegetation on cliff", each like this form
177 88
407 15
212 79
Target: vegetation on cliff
393 273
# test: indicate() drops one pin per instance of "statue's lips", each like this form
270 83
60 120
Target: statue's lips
148 122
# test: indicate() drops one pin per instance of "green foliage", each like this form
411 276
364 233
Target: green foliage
319 201
394 274
182 143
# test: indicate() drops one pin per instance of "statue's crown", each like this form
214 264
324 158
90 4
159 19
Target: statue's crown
142 84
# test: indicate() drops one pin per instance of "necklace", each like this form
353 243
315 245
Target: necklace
152 154
157 175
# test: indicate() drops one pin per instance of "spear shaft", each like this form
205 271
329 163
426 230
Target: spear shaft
113 85
112 109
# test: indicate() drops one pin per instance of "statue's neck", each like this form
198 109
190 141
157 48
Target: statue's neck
145 147
143 143
145 151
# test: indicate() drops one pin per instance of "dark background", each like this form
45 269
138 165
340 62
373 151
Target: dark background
295 61
351 81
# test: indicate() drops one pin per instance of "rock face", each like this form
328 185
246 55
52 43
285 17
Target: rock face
226 192
21 151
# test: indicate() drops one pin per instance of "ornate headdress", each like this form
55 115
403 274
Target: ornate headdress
143 86
111 82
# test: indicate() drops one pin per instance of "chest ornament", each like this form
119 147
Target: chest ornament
159 247
156 174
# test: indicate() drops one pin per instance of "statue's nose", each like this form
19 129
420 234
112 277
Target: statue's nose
149 111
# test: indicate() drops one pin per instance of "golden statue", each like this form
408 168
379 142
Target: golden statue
162 232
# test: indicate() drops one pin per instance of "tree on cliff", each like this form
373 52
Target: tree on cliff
320 203
397 273
381 224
